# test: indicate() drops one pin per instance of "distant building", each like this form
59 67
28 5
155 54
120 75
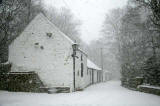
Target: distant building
95 73
106 75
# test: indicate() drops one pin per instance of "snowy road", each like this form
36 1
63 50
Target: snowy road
104 94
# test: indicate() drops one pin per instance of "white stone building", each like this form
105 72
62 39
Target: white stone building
95 73
106 75
44 49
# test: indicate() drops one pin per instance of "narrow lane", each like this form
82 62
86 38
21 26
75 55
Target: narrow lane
104 94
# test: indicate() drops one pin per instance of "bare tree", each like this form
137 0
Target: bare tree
8 10
154 6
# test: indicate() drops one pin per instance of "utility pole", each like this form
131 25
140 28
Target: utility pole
29 11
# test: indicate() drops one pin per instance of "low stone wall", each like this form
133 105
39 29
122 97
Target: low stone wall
59 90
131 83
136 84
21 82
149 89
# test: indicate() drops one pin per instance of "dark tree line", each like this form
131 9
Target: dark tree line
136 29
139 41
154 6
14 17
152 65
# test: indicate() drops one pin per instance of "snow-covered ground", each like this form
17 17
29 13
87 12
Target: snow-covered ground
104 94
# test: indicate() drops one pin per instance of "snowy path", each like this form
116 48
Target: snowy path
104 94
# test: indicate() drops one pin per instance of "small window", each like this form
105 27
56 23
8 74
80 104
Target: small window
87 71
81 69
49 35
36 43
81 57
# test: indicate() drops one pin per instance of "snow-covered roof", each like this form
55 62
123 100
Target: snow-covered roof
90 64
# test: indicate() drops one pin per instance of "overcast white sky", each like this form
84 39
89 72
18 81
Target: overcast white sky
90 12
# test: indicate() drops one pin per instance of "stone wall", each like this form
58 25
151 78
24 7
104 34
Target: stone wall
137 84
131 83
21 82
149 89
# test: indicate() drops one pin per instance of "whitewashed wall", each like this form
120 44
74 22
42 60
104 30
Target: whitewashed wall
107 76
95 76
81 81
93 73
78 78
53 62
89 77
85 76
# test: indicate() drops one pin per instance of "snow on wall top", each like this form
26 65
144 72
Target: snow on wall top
90 64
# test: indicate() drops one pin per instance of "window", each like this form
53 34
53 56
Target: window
87 71
81 69
81 57
37 43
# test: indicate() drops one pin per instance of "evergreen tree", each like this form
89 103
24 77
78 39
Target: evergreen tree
152 71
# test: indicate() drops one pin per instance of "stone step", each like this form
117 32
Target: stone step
57 89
